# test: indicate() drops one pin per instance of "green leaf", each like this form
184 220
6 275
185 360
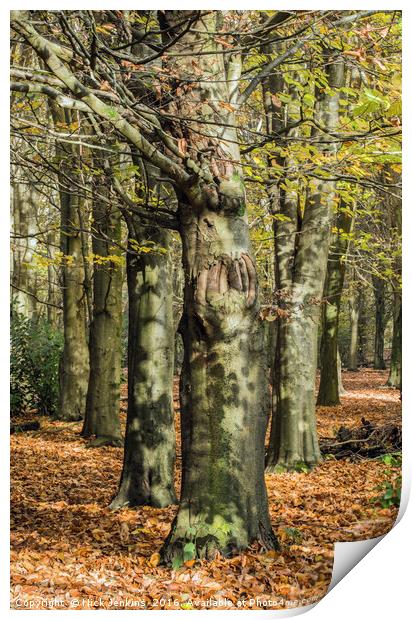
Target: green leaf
189 551
395 109
177 563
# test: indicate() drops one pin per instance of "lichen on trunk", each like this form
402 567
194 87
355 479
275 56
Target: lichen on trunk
223 503
224 399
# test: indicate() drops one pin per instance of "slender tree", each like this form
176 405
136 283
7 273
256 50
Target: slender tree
74 365
379 344
23 204
329 388
301 244
355 301
395 374
103 394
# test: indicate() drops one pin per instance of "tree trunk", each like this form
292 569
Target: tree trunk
363 357
223 504
51 281
342 390
224 404
395 375
103 394
379 292
23 204
148 466
354 312
328 394
301 246
74 364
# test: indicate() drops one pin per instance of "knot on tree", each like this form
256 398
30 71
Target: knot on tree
226 276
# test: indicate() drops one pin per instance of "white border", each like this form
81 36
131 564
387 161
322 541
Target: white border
378 586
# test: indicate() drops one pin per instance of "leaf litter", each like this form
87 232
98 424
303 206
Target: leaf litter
68 550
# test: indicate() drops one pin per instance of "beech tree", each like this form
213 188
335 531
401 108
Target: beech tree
148 468
329 387
103 394
301 264
74 366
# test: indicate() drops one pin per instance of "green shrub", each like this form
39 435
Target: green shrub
20 391
390 491
36 349
390 494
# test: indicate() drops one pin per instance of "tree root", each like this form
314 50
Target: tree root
98 442
176 551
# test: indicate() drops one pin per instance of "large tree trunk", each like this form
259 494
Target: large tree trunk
148 466
379 292
329 388
103 394
74 364
301 269
223 503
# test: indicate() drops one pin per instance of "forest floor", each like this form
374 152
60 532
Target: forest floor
69 551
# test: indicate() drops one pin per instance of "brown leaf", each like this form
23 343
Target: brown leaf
182 146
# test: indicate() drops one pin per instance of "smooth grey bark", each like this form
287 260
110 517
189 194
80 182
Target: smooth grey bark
103 395
51 281
395 374
329 387
341 387
363 330
23 212
301 246
23 209
379 344
354 313
148 466
74 364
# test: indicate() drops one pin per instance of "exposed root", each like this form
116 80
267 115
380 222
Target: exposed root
99 442
176 551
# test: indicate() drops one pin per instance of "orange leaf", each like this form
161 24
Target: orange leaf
154 560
